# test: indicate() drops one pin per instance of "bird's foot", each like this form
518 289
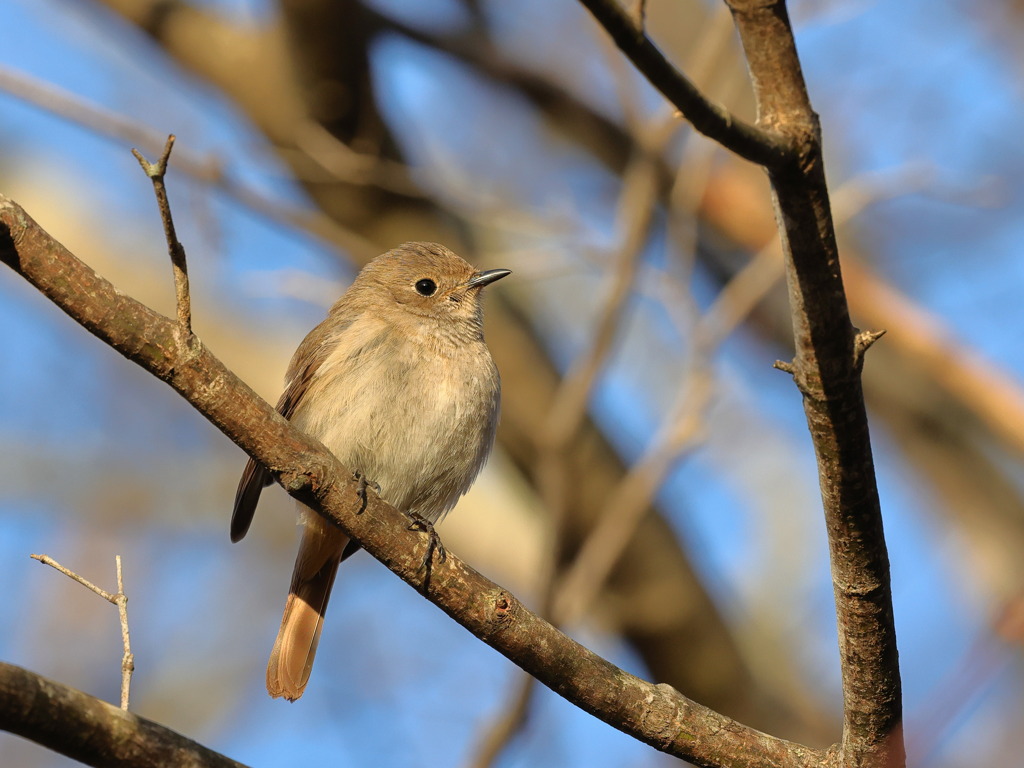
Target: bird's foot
363 484
420 523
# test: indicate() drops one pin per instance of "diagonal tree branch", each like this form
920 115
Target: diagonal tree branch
92 731
658 715
654 559
759 144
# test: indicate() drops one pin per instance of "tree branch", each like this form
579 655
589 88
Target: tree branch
828 360
656 714
757 144
92 731
156 173
826 369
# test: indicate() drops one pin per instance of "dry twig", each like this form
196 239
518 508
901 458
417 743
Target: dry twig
156 173
120 599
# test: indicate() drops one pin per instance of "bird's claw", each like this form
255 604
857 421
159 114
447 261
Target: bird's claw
363 484
420 523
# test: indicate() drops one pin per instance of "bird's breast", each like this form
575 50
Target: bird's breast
416 418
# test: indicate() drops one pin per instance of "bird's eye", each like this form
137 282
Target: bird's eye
426 287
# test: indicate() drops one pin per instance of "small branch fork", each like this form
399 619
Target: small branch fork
754 143
120 599
156 172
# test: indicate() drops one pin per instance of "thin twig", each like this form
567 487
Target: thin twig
120 599
47 560
128 660
713 120
156 172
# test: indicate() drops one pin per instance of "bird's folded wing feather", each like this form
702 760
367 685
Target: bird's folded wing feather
255 477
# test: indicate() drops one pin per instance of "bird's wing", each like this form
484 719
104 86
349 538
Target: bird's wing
255 477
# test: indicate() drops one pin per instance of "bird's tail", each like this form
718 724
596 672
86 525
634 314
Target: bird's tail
315 568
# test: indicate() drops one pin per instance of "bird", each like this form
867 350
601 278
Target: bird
399 384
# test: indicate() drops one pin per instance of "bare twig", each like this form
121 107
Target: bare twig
156 172
128 660
120 599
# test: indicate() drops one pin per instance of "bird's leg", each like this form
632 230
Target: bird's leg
420 523
363 483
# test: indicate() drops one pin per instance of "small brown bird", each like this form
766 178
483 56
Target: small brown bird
398 383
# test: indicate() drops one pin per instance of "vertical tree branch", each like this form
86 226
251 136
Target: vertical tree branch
128 659
829 353
826 368
156 172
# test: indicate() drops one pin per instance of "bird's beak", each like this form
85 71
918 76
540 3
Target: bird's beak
480 279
